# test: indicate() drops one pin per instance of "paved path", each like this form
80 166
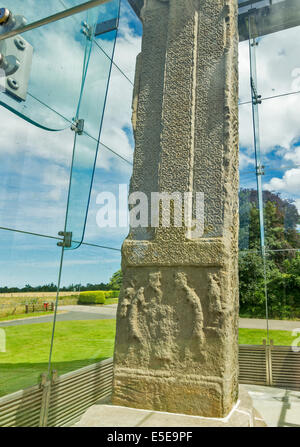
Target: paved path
278 407
71 313
276 325
77 313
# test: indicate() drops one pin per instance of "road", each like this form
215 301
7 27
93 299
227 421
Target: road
77 313
71 313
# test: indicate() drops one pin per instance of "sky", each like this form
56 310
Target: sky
35 164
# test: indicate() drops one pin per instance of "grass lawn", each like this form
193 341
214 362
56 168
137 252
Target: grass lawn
77 344
111 301
256 336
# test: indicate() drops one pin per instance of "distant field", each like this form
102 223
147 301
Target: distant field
35 294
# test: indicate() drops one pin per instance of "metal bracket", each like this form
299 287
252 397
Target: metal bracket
9 22
260 170
78 126
255 97
87 30
67 242
15 57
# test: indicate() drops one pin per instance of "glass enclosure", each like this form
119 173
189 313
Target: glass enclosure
67 144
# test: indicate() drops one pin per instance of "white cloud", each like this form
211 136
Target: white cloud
245 161
278 57
289 183
293 155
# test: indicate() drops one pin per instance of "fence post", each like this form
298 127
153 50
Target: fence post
46 387
268 356
270 362
26 308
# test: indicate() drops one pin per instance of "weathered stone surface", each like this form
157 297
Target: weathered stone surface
177 322
106 415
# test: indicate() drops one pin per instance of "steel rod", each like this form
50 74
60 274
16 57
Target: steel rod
54 18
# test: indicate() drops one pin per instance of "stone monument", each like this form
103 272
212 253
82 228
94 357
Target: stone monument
177 322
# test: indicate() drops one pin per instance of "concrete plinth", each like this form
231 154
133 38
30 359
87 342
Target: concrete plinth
242 415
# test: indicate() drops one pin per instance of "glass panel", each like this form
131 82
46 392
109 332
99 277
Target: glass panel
34 172
85 333
34 11
244 73
248 182
112 178
91 109
279 138
26 262
251 264
281 159
277 63
59 53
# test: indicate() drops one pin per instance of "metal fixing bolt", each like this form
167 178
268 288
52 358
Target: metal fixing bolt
20 44
13 83
3 62
4 15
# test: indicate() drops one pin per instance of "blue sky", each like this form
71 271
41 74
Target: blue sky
35 164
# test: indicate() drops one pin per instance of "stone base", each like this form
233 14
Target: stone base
242 415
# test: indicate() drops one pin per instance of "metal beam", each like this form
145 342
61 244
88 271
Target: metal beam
268 19
54 18
137 6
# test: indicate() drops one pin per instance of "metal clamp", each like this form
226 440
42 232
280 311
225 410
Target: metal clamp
257 99
9 21
78 126
67 241
260 170
15 57
87 30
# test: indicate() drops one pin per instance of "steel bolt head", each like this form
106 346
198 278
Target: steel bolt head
13 83
4 15
20 44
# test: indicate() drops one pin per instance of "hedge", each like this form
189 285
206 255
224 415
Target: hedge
97 296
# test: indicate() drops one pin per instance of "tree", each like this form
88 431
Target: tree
282 267
115 282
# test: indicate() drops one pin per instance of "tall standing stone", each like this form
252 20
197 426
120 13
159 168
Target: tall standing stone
177 321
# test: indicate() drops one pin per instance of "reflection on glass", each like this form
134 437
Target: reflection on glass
26 262
278 63
55 75
34 171
86 335
91 110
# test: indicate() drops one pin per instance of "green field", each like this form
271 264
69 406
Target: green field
77 344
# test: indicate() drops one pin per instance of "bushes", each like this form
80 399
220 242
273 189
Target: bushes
97 296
